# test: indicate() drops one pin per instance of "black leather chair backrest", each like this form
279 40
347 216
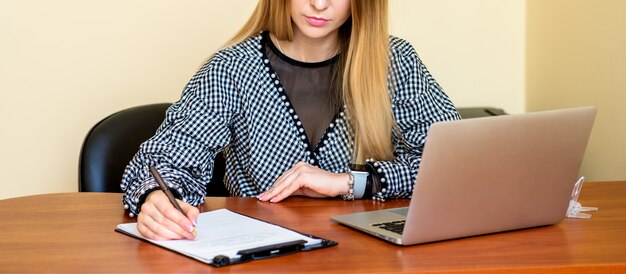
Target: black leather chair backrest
476 112
112 143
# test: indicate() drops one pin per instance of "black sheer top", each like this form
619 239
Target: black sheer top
310 88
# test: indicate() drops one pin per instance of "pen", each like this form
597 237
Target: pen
169 194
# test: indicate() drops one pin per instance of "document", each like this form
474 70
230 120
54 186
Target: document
225 237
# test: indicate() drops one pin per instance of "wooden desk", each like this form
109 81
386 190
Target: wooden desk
73 232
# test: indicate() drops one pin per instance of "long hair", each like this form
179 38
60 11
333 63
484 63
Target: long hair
362 72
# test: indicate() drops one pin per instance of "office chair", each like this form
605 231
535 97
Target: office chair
475 112
111 144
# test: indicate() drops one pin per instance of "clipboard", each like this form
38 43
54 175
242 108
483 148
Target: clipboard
226 237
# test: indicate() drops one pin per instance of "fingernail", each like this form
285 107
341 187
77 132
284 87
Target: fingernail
192 230
260 196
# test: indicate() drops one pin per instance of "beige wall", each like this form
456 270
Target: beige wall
577 57
65 64
475 49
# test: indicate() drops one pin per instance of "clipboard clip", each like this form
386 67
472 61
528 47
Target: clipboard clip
271 250
262 252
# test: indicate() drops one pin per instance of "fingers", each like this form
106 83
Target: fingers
175 220
304 179
156 230
285 185
285 188
287 177
159 220
192 212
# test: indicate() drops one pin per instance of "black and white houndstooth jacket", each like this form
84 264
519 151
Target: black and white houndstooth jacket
236 104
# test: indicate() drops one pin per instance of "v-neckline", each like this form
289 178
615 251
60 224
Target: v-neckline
311 152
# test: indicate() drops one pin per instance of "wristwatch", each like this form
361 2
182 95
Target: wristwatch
360 181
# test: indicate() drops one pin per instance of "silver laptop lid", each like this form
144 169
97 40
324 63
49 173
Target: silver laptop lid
494 174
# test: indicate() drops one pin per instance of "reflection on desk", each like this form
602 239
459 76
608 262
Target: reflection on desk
74 232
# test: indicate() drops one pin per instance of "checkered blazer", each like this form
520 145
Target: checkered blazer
236 104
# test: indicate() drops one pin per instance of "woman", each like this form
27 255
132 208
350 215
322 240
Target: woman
304 90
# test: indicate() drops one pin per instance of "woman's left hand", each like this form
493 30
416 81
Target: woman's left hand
306 180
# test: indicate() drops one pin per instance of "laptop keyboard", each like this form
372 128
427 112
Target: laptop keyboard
395 226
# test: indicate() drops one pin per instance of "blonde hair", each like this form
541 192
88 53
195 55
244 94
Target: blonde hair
364 52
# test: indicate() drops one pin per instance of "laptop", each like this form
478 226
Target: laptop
486 175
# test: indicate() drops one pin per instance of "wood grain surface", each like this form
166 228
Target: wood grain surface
74 233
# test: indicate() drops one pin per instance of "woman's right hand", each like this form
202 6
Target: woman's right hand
159 219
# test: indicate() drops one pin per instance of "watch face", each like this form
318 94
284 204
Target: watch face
360 174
